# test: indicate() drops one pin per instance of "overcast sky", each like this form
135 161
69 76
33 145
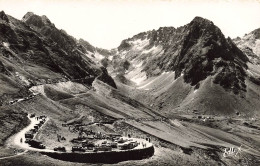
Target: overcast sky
106 23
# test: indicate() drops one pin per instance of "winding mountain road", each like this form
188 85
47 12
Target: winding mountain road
19 138
18 154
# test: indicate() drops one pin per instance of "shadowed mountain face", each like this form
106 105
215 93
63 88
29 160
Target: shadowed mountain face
67 49
198 53
34 51
197 50
35 39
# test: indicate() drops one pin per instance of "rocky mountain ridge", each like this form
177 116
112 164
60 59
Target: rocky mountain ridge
250 45
192 67
33 51
196 50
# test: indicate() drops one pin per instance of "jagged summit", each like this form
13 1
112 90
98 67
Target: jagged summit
192 49
194 53
87 45
199 19
38 21
256 33
35 41
3 16
27 15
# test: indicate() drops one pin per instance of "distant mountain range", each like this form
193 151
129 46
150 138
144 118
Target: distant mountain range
193 67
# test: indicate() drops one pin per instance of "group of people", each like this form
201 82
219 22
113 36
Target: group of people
144 145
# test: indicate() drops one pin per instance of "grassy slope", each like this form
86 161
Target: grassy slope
170 96
11 121
210 98
98 103
110 102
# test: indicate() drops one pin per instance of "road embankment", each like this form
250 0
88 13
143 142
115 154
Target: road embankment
103 157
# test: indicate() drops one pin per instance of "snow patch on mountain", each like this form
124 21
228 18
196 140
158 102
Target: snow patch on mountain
256 49
98 56
136 75
249 41
110 58
139 44
154 50
22 78
5 44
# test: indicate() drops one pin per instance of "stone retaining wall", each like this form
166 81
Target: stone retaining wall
103 157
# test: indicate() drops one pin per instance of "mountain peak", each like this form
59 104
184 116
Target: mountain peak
198 19
3 16
202 23
197 51
27 16
257 33
36 20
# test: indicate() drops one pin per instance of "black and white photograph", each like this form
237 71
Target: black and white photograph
129 82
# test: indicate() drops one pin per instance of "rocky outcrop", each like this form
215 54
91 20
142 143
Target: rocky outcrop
3 16
105 77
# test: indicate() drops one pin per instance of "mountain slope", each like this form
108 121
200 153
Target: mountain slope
190 57
34 51
161 76
250 45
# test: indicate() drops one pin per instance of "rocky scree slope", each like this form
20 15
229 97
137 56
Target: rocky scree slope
98 55
250 45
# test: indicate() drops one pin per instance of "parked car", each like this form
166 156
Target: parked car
27 140
36 127
113 144
78 149
32 115
36 144
33 131
28 135
41 146
60 149
103 148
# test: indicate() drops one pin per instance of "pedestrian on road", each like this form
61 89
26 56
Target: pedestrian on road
21 140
